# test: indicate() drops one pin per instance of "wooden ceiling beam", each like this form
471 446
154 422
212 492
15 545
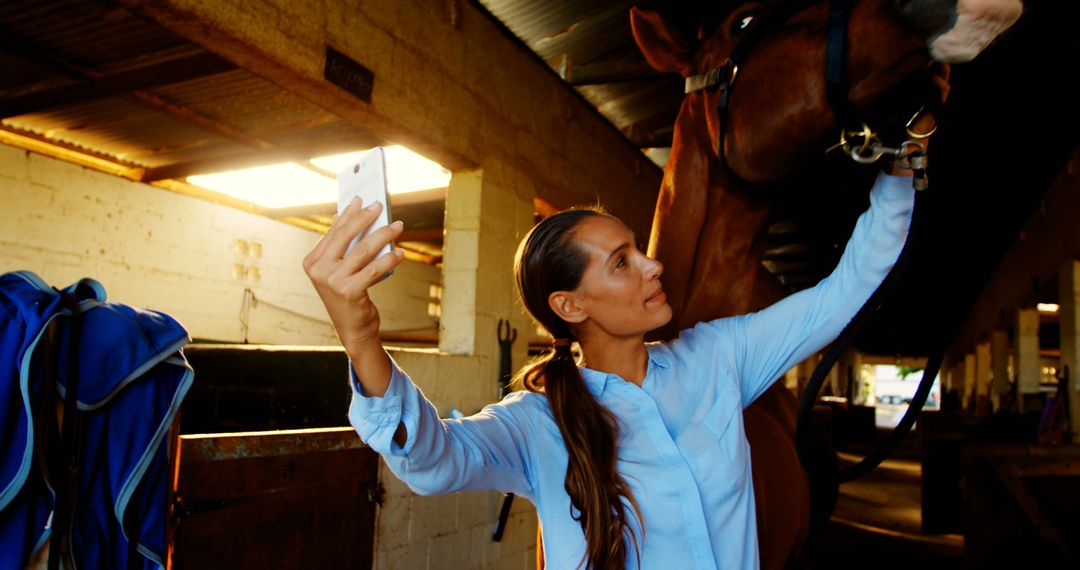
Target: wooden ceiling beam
652 132
659 139
423 234
787 267
787 252
52 149
774 240
149 77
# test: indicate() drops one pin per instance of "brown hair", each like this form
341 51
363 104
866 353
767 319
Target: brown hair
548 261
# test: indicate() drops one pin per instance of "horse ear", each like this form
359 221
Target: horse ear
662 44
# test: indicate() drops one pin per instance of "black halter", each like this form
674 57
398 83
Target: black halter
723 77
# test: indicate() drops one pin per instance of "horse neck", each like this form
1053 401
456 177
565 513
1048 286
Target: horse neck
726 274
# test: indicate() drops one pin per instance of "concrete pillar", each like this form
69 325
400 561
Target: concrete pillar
791 379
851 362
999 367
484 222
1069 318
982 379
866 389
833 380
806 370
969 381
953 390
947 366
461 263
1028 369
954 380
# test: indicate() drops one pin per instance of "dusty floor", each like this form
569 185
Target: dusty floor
876 524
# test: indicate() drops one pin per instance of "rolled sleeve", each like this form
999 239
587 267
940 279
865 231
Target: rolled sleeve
376 418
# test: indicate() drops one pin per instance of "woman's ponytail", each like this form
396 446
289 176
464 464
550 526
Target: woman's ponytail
547 262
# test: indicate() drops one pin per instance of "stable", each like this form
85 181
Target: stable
182 154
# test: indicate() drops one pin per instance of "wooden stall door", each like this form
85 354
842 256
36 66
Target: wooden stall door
1021 503
283 499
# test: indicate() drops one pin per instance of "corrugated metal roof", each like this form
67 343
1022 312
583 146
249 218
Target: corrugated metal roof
579 37
246 102
119 128
68 44
89 34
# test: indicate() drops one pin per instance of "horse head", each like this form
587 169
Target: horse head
770 84
769 117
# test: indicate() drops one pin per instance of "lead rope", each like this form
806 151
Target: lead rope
910 154
68 460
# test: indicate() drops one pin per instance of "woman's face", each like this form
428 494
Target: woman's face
620 290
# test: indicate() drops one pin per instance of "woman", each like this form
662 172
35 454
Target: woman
635 456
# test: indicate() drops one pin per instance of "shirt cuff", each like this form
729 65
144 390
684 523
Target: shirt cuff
376 418
890 188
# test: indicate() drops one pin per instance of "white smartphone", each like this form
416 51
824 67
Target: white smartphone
366 178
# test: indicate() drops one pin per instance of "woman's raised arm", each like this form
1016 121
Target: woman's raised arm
772 340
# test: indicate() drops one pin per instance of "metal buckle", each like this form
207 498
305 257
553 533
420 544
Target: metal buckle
723 76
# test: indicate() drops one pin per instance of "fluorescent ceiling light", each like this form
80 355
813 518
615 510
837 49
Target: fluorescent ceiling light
275 186
288 184
406 171
1047 307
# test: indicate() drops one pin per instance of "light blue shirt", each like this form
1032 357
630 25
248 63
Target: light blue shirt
682 448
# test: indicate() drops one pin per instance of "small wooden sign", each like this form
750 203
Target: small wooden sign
348 74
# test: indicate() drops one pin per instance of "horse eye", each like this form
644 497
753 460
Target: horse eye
742 22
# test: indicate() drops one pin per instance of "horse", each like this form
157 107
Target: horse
770 116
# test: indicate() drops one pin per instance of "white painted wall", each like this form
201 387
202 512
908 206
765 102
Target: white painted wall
192 259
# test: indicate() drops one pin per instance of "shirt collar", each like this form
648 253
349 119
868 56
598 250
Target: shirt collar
596 381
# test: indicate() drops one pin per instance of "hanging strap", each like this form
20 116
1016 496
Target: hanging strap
63 466
832 354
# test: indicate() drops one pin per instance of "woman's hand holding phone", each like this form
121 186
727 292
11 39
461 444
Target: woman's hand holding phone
342 277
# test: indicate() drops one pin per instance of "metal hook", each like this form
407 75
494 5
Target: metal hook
506 333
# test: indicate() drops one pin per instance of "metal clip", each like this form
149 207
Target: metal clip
874 154
911 155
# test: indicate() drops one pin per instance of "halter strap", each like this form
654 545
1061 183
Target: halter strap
723 77
713 77
836 84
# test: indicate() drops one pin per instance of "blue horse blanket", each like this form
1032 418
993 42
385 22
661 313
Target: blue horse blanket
132 377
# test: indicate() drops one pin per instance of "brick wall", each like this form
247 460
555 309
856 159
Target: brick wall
189 258
450 531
